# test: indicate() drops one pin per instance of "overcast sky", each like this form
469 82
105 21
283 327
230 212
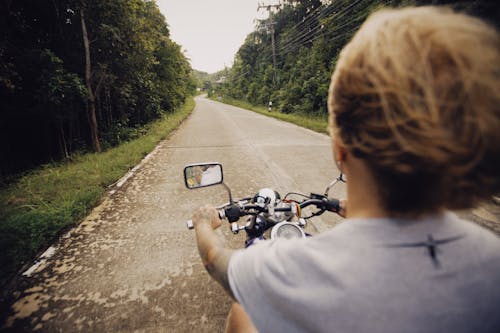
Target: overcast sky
211 31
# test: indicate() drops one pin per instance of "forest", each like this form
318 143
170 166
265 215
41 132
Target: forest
308 36
83 76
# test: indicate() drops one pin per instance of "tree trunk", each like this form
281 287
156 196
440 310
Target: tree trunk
91 98
62 140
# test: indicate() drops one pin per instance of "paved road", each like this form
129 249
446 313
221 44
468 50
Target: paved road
132 265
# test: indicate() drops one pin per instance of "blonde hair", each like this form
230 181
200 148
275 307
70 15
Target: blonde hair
416 94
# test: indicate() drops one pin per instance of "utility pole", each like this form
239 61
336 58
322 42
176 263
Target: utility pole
274 52
270 27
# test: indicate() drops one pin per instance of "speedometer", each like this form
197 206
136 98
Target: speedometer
287 230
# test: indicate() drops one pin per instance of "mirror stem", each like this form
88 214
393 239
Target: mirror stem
229 192
340 178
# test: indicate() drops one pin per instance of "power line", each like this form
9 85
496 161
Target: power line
309 18
314 14
311 35
304 36
326 40
308 39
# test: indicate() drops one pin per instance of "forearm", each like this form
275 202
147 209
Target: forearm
214 255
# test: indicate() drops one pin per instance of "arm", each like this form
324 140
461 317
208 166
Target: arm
214 256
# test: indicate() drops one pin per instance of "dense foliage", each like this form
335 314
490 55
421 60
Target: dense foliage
80 75
309 35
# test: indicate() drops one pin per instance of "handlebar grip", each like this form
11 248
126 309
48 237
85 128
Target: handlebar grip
233 213
332 205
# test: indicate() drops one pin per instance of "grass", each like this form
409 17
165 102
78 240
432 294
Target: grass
315 123
36 208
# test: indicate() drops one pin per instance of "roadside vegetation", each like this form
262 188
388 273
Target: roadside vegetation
87 88
83 76
308 36
46 201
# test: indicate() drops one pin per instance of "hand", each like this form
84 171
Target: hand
207 215
342 208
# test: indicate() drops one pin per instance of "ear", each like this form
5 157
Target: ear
339 150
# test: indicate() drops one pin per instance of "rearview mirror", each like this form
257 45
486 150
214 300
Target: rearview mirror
202 175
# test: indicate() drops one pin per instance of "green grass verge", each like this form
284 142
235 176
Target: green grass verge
38 206
315 123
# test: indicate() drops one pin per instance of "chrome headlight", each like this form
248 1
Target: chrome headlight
287 230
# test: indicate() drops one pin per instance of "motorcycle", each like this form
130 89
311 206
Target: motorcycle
268 215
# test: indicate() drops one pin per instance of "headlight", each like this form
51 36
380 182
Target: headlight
287 230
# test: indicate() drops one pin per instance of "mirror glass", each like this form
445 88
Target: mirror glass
201 175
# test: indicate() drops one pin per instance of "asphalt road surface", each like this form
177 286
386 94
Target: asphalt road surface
132 265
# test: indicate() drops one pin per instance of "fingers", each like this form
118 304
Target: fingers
208 215
343 208
216 222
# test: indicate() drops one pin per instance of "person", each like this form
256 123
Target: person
195 180
414 107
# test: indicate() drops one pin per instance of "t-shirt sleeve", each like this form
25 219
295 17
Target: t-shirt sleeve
258 277
244 269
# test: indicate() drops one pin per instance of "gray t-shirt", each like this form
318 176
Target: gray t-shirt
374 275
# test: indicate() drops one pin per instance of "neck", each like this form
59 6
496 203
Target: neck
363 199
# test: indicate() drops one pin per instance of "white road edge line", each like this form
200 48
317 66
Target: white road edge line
53 248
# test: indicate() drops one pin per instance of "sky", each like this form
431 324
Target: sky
210 31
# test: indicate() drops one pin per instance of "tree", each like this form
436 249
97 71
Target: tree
88 81
110 64
309 37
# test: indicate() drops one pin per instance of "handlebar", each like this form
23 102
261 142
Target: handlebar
332 205
235 211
